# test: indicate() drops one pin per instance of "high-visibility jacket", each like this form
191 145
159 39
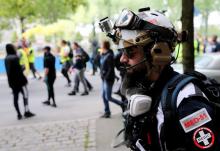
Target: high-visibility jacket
24 60
31 56
63 58
196 48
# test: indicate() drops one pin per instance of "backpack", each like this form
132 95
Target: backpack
85 55
70 55
210 87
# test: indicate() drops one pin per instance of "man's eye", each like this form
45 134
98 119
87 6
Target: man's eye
131 54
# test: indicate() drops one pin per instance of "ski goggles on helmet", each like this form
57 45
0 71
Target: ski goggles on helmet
128 20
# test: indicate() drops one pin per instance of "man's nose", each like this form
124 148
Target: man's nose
124 58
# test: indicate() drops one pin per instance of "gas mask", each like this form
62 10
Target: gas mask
139 104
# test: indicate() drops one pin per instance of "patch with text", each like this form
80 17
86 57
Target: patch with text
195 120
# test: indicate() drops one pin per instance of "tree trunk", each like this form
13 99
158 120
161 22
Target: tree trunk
93 30
187 24
206 18
22 25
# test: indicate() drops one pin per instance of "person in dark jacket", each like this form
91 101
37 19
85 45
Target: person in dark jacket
78 67
50 75
16 80
95 57
77 49
108 77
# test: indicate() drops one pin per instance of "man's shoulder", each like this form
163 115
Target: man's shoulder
187 91
11 57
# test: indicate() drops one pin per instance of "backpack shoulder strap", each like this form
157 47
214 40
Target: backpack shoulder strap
171 91
168 103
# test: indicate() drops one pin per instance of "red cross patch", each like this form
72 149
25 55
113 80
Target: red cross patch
203 138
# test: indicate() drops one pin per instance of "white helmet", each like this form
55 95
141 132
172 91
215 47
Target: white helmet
143 28
146 28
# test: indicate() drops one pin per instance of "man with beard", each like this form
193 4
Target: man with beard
147 40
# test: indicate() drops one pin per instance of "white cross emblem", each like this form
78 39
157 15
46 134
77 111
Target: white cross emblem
204 138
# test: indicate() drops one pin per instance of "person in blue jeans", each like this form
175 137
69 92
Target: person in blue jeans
108 76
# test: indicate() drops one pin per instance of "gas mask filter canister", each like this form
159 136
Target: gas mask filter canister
139 104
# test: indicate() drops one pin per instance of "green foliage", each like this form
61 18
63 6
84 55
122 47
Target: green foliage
78 37
5 24
14 37
97 9
73 4
48 38
1 36
52 10
17 8
47 11
205 7
32 38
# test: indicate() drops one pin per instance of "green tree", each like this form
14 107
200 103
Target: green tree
78 37
19 9
52 10
206 7
14 37
37 10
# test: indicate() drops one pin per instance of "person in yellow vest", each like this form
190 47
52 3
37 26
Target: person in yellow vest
31 59
197 50
23 60
65 60
197 47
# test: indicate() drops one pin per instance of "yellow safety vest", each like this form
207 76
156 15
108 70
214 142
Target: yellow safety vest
196 54
196 45
63 58
31 56
23 60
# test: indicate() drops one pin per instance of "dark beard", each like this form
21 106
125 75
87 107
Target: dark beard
136 81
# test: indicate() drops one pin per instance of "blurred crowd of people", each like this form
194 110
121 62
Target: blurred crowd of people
20 58
74 59
211 45
201 46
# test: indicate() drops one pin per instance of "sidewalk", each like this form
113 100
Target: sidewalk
106 130
77 135
94 134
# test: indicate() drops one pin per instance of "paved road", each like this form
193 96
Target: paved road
77 135
73 125
69 107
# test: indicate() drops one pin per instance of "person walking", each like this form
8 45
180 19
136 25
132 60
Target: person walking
94 57
23 60
77 49
65 61
50 75
79 69
17 81
31 60
108 76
